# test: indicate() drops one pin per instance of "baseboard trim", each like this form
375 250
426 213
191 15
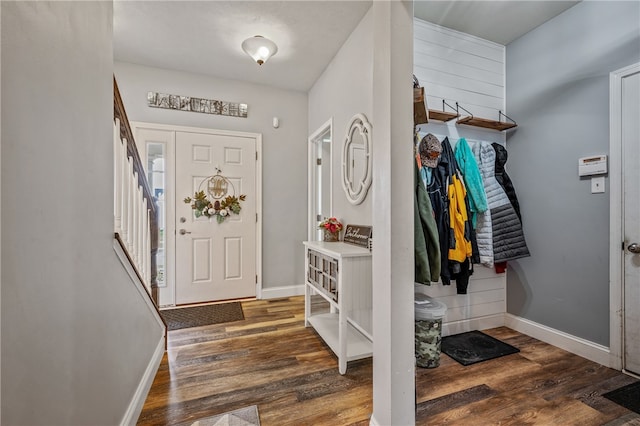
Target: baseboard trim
284 291
137 402
373 422
480 323
576 345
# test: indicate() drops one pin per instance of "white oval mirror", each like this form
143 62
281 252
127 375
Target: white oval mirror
357 160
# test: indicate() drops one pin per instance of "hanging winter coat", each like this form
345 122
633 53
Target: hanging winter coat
449 204
472 179
426 239
507 237
437 191
503 178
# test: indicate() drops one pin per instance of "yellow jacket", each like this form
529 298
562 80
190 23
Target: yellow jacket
459 219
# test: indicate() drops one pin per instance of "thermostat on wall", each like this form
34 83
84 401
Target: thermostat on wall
594 165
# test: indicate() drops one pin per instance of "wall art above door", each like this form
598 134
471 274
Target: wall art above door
188 103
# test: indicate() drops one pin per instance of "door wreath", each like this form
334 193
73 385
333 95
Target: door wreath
215 200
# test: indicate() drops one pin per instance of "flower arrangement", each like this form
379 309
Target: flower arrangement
331 225
221 209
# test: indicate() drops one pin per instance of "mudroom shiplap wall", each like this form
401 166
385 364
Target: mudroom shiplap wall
454 66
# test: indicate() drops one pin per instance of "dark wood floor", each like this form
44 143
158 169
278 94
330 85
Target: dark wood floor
271 360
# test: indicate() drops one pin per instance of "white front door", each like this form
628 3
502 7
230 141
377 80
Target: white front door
631 219
215 261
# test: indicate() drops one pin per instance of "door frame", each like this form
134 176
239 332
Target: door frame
616 255
312 175
171 203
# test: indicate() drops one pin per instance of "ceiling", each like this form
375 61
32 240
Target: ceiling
205 36
499 21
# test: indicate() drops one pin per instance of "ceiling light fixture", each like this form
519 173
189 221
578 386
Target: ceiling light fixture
259 48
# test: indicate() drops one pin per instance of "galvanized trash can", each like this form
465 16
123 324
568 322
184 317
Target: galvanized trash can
428 319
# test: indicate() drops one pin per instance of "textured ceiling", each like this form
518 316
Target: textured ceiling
205 36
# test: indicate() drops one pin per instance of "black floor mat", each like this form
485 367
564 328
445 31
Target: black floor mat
475 346
196 316
627 396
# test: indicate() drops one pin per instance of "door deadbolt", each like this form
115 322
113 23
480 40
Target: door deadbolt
183 219
634 248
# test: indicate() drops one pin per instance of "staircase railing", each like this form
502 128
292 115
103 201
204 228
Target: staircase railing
135 211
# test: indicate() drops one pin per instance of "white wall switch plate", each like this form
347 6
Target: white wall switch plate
597 185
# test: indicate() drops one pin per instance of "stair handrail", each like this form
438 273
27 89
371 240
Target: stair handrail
120 115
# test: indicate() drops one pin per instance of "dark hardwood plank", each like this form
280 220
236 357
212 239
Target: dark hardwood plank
454 400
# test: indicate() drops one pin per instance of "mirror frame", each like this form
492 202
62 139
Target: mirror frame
360 124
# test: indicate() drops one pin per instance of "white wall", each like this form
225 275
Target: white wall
343 90
284 167
392 198
76 335
455 66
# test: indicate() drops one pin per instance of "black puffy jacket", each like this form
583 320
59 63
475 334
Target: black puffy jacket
503 178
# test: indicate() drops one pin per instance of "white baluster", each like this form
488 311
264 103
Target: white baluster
139 233
143 257
148 250
117 164
125 201
132 211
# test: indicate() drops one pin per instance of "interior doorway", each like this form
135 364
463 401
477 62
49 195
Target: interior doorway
204 259
625 218
320 178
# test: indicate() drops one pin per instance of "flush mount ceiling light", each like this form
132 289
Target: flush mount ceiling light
259 48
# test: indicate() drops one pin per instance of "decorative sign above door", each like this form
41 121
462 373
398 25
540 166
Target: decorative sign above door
187 103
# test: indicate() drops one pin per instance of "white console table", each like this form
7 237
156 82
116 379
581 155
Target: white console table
341 274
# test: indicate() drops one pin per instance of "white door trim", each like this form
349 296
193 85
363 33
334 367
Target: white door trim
258 138
311 175
615 214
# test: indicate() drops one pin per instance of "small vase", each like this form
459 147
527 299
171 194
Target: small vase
331 237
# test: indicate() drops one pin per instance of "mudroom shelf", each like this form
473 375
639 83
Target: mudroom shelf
487 124
438 115
435 114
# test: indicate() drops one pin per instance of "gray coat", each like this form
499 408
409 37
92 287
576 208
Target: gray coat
499 233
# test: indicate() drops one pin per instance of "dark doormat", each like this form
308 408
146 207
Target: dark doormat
475 346
196 316
627 396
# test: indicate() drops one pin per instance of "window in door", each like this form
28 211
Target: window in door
156 177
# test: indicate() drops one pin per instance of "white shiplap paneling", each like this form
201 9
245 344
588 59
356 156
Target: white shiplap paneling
459 67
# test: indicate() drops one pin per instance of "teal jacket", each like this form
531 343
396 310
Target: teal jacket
472 179
426 239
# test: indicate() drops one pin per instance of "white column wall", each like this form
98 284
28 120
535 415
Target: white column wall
393 257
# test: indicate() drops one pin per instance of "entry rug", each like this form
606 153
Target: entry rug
197 316
475 346
247 416
627 396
